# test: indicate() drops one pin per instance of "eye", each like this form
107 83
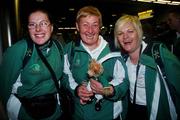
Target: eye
130 31
85 25
44 24
32 25
119 33
95 25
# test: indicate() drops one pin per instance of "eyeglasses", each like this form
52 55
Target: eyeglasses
42 24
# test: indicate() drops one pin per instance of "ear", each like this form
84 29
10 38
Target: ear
77 26
52 28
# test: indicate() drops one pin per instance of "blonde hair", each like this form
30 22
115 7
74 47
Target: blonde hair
89 10
126 19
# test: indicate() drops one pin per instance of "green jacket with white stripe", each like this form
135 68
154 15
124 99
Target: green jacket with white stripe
172 71
78 59
35 78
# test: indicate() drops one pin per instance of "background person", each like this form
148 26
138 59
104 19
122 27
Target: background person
149 98
173 20
32 84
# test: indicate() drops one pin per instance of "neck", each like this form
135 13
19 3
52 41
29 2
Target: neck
46 45
134 56
94 46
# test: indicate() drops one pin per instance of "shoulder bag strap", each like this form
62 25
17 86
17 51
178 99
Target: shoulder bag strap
49 68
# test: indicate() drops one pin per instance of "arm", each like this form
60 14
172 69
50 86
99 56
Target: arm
10 69
120 80
70 83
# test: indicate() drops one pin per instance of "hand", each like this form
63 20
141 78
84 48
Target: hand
96 87
108 91
84 94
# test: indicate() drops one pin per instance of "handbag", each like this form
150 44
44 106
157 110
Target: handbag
39 107
65 96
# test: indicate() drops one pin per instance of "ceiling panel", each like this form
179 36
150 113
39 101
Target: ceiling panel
110 9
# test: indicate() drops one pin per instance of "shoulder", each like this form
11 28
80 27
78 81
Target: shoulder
15 53
121 61
69 47
68 44
58 44
167 55
20 43
18 47
149 48
112 58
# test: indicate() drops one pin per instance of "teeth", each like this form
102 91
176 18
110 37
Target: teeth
89 36
40 35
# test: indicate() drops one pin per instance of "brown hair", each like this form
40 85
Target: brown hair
89 10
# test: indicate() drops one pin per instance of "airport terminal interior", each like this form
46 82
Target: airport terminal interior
13 12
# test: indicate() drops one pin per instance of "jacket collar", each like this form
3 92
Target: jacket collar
146 58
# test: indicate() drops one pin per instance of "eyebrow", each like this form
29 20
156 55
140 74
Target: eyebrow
40 21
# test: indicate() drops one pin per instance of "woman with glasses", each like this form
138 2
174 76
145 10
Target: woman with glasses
27 87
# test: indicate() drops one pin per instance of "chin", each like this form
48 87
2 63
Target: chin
40 42
127 49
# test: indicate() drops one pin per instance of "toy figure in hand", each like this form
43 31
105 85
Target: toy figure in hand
94 72
95 69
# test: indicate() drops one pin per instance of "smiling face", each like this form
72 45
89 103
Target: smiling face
40 28
89 29
128 38
128 34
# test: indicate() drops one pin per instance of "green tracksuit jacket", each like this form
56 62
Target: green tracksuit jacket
172 70
35 79
79 61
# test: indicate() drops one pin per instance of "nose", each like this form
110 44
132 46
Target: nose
90 29
37 28
125 35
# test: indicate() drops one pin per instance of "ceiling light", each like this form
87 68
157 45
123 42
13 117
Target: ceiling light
145 14
161 2
114 15
174 3
40 0
146 0
63 18
71 9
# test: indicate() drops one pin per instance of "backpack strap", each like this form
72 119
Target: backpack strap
157 57
29 52
72 51
60 48
148 49
153 50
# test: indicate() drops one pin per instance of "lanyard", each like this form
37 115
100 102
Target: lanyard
137 71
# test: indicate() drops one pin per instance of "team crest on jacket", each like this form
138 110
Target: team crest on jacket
77 62
35 68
